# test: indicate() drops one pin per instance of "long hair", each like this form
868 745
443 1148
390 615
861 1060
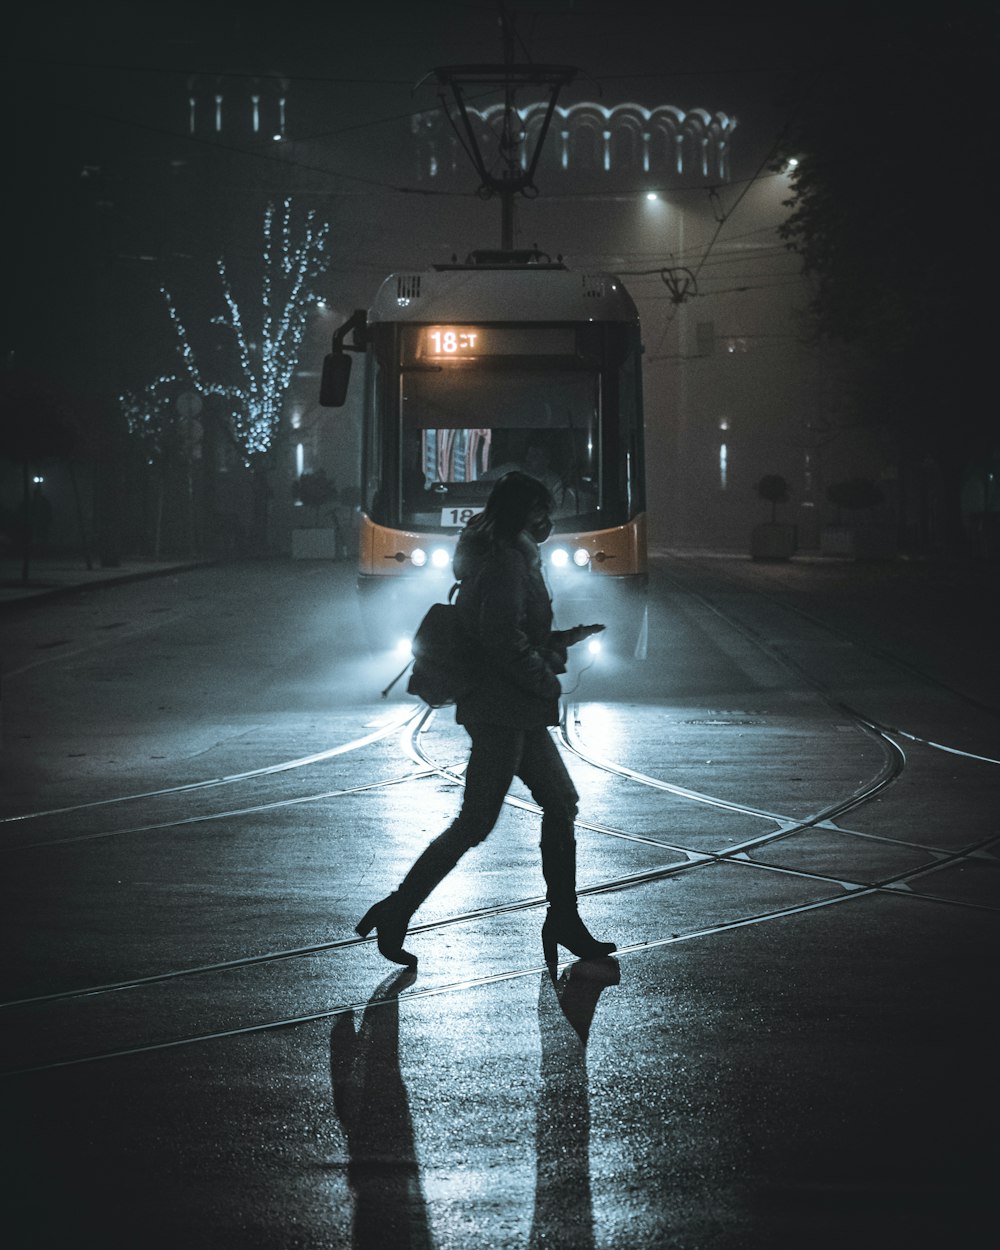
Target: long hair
515 496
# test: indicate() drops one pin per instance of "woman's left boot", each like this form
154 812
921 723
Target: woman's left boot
390 916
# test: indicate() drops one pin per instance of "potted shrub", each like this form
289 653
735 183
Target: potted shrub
773 540
855 538
319 540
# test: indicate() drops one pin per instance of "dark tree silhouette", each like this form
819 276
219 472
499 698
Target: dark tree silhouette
887 209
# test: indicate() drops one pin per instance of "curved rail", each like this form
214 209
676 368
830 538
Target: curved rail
412 724
725 926
303 761
775 653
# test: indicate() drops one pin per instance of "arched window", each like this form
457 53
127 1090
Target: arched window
662 148
532 128
586 146
625 148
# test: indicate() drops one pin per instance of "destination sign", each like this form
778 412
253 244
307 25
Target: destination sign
469 342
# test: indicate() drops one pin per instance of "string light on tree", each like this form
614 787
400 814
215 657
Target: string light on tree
152 417
266 332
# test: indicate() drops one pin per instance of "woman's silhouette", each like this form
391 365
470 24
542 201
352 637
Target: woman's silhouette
505 611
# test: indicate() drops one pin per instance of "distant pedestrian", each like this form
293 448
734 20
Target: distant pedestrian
505 610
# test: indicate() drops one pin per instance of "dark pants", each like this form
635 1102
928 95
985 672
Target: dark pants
500 754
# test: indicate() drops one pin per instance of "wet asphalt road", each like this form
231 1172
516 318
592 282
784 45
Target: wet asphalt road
794 1046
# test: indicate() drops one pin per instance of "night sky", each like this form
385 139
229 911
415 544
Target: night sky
98 95
113 197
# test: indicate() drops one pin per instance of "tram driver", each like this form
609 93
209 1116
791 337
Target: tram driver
529 457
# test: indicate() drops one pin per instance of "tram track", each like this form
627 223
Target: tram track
935 746
269 770
569 733
845 891
787 825
736 853
625 882
411 725
459 986
749 632
426 767
415 716
468 983
180 822
826 819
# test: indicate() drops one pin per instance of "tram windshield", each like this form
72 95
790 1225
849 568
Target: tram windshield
463 426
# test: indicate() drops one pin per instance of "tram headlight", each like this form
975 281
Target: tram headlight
419 557
440 557
559 558
581 557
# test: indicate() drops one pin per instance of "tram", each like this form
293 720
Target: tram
509 360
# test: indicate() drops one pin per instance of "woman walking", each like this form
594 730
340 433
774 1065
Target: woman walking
504 609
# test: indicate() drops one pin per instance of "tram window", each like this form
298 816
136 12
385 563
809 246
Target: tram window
463 430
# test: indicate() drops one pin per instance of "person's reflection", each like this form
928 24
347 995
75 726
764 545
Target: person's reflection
370 1100
564 1216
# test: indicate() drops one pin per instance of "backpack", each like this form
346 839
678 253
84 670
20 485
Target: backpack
443 656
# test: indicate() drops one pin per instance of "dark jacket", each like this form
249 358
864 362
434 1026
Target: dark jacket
504 608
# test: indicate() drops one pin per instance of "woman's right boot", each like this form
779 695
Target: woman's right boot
562 925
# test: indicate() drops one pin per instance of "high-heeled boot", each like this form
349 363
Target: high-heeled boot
390 916
562 925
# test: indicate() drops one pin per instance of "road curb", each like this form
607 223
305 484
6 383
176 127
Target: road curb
46 594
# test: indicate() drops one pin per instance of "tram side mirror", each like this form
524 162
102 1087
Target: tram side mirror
336 375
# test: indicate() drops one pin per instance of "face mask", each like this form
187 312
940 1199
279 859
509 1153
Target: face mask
541 529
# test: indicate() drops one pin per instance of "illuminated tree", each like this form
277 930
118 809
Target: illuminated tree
265 332
162 430
152 417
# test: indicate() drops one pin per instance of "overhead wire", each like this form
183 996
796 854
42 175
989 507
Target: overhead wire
380 185
726 215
